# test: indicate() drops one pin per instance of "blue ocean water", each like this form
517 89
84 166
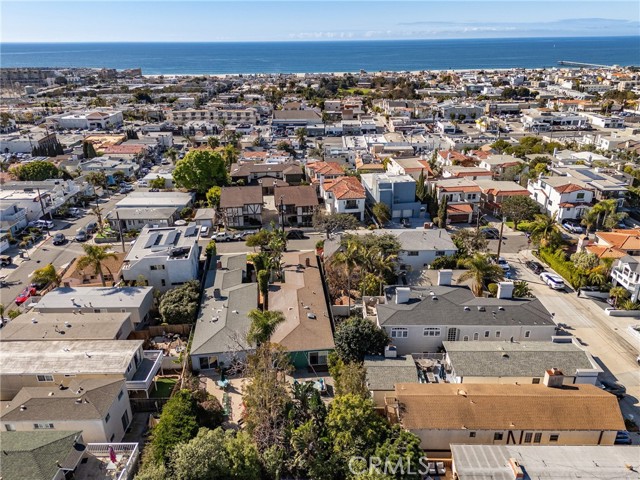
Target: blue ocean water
289 57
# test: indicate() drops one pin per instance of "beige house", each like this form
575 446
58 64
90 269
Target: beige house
55 363
442 414
100 408
87 277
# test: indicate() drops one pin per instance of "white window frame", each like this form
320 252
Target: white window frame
399 332
431 332
43 426
44 377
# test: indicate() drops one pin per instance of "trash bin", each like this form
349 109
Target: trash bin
21 254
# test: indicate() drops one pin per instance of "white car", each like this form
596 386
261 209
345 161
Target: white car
556 282
223 237
504 265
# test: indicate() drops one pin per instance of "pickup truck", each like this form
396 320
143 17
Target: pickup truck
224 237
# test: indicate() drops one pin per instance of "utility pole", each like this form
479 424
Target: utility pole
43 212
282 212
120 230
504 219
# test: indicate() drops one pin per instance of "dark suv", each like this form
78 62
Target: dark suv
535 267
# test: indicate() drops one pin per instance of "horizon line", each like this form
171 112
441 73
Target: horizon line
322 40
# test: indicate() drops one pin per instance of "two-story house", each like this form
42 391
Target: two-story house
241 206
398 192
463 197
562 197
165 257
344 195
626 273
494 192
296 204
498 165
320 172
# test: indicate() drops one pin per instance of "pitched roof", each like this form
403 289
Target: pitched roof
450 406
515 359
345 188
383 373
569 187
621 239
605 252
298 297
299 195
231 197
35 455
325 168
447 307
87 399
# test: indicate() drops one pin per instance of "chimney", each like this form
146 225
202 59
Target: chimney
444 277
518 473
553 378
505 290
402 294
390 351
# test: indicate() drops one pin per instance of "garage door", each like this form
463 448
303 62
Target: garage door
397 214
407 213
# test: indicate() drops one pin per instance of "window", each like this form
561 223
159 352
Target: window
43 426
439 253
10 427
486 334
498 334
536 381
156 267
318 358
472 434
554 437
497 436
431 332
96 310
465 338
163 282
527 334
537 437
125 420
412 253
45 378
527 437
580 195
476 336
399 333
120 395
106 419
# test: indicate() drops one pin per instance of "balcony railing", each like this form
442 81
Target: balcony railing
99 460
147 370
623 279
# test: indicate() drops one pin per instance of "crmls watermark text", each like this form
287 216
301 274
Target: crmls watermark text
387 466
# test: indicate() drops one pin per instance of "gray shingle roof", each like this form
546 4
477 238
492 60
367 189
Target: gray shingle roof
447 307
383 373
35 455
514 359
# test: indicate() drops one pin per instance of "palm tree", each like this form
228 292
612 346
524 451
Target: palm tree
349 256
95 256
544 230
301 136
213 142
521 289
46 275
590 220
172 153
379 264
263 325
618 294
97 211
480 270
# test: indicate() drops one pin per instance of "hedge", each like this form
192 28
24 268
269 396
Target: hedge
563 267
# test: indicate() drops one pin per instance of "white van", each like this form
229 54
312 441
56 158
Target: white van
143 183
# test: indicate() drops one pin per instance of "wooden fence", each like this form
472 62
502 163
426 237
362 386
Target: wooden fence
151 405
158 330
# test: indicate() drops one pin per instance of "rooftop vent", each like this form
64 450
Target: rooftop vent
481 308
501 309
467 309
402 294
23 408
312 316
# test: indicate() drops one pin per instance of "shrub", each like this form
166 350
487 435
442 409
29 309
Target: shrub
562 266
447 261
211 249
180 304
13 314
493 289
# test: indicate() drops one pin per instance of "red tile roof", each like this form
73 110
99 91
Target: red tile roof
569 187
345 188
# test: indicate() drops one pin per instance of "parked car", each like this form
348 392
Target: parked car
25 294
224 237
623 438
490 232
204 231
59 239
75 212
406 223
91 227
555 282
5 260
503 264
154 189
572 227
81 236
295 235
48 224
143 183
535 267
614 388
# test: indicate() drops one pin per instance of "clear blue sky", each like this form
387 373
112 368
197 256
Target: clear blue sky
264 20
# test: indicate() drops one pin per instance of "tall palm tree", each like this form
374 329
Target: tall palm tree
377 262
263 325
544 230
95 256
618 294
481 270
349 256
590 219
172 153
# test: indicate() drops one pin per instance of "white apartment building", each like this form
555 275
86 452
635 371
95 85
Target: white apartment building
563 197
25 143
626 273
165 256
231 116
95 120
37 198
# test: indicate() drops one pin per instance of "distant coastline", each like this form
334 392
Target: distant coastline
240 58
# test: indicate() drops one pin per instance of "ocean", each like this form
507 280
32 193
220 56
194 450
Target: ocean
309 57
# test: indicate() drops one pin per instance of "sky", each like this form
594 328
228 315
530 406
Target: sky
310 20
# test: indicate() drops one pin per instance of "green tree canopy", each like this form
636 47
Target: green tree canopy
520 208
46 275
180 304
200 170
95 257
348 378
357 337
481 271
36 171
263 325
159 183
381 212
334 222
213 196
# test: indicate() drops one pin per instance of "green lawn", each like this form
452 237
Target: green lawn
164 386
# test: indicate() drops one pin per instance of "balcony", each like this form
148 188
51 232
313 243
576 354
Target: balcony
98 464
624 280
147 370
